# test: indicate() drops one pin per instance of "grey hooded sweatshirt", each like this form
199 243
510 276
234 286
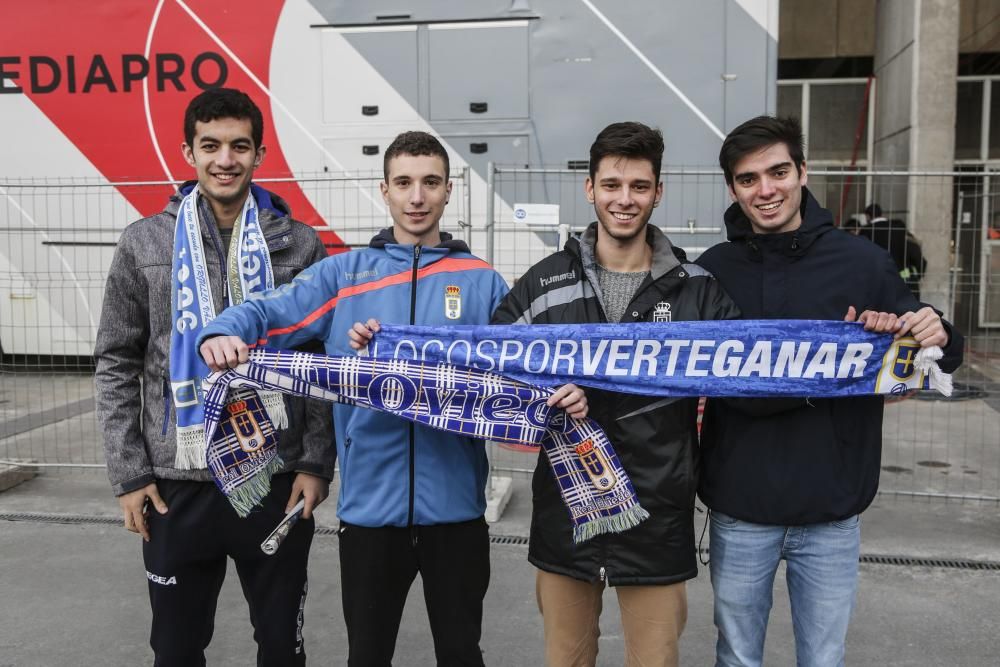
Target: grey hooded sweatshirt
134 406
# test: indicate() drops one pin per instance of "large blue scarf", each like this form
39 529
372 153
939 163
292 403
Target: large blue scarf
815 358
248 272
408 374
241 440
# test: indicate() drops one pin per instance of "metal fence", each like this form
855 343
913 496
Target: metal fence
57 239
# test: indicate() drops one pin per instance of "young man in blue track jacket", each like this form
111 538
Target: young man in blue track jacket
411 497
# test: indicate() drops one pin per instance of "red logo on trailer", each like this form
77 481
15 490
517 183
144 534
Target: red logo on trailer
85 66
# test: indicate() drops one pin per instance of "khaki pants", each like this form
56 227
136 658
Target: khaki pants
653 618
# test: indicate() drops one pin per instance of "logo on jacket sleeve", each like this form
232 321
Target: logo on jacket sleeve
245 426
596 465
452 302
661 313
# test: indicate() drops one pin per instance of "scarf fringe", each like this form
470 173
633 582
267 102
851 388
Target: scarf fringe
619 523
250 493
926 362
274 403
191 448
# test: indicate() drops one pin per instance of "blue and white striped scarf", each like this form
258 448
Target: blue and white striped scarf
463 400
248 271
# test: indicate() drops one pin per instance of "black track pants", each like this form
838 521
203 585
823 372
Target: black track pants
377 567
186 563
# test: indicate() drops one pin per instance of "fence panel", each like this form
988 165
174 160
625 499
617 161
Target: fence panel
57 238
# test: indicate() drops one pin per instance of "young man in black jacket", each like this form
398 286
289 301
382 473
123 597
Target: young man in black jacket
788 478
621 270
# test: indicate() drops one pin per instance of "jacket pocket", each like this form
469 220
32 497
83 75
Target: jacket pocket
345 463
722 519
165 393
848 524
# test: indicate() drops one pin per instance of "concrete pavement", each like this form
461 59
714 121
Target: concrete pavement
75 593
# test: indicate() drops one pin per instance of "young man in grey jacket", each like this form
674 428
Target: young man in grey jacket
165 491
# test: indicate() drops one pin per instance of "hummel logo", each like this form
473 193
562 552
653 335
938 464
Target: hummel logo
360 275
559 278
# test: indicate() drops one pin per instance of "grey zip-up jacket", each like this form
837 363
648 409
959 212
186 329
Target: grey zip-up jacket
134 405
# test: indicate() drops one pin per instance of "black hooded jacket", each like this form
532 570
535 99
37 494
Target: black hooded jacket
799 461
655 438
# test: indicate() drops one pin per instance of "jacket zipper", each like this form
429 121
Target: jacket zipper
167 399
413 315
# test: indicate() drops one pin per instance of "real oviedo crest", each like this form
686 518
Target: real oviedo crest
453 302
593 461
245 426
661 313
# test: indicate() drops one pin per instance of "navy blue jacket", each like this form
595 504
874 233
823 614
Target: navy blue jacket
800 461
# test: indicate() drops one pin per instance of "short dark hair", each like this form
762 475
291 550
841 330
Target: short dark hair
216 103
628 139
759 133
415 143
873 211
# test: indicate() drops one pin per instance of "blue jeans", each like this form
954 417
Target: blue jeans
822 577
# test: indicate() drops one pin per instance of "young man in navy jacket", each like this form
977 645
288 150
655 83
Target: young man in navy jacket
787 478
411 497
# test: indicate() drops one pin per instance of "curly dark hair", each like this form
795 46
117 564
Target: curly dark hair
415 143
217 103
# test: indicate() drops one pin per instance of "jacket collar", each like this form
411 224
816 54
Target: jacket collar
386 240
666 257
273 213
816 221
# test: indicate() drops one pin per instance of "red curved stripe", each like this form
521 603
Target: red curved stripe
109 127
442 266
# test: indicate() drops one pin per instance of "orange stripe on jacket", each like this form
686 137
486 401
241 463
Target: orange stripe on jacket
442 266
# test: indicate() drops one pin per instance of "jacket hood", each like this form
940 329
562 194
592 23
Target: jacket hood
666 256
816 221
266 200
386 237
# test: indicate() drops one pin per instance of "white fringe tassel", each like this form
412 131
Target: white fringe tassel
926 363
274 403
191 448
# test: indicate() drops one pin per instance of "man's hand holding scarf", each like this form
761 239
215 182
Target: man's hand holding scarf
568 397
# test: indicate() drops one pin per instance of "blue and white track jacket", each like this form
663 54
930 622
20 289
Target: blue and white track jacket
392 472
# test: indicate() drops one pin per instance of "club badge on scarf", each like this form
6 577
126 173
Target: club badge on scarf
815 358
463 400
248 272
